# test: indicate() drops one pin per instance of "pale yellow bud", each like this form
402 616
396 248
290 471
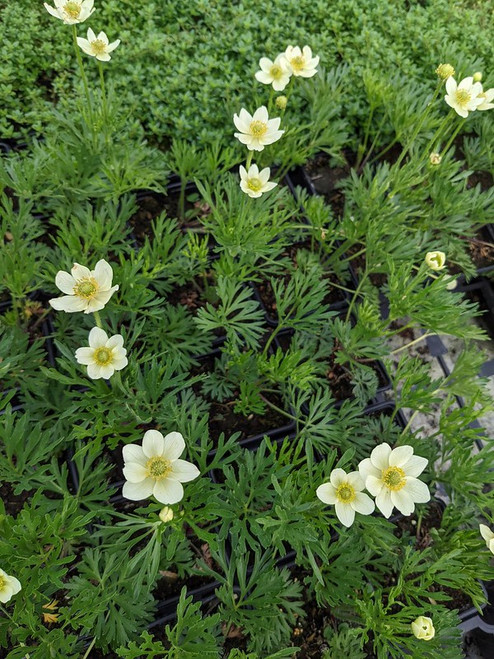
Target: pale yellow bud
452 283
435 260
281 102
445 71
423 628
166 515
435 159
477 77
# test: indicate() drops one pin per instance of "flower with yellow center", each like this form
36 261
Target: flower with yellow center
344 491
486 97
9 586
445 71
155 468
86 290
436 260
255 182
71 11
104 355
435 158
97 46
423 629
275 73
301 62
257 130
391 477
463 97
488 536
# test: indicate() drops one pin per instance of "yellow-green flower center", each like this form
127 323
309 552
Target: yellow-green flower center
3 582
394 478
102 356
345 493
86 288
462 97
258 128
158 468
72 9
276 71
254 184
297 63
98 47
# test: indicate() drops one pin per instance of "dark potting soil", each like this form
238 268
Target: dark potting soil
481 252
359 265
13 502
326 179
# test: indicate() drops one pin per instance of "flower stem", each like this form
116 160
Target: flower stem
451 139
249 160
84 80
277 409
104 101
407 345
97 319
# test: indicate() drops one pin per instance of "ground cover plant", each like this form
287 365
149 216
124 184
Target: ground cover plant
208 442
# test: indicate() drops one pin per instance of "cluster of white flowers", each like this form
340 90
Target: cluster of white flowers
390 475
258 130
468 95
72 12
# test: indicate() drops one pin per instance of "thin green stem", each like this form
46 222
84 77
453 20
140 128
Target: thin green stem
362 147
97 319
357 291
104 100
249 160
84 80
277 409
410 421
451 139
408 345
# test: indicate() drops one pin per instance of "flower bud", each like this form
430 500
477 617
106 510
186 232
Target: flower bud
423 628
435 260
452 283
281 102
166 515
477 77
435 158
445 71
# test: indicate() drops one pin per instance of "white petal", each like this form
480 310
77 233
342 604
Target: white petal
134 453
384 503
356 480
253 171
245 139
94 371
261 114
153 444
363 504
135 472
274 136
84 356
486 533
399 456
373 485
183 471
415 465
90 34
403 502
65 282
15 585
269 186
103 274
243 173
97 338
115 341
264 174
168 491
337 477
380 456
366 468
138 491
107 371
80 271
264 77
451 86
345 513
326 493
119 364
52 11
174 446
265 63
6 594
68 303
104 57
113 45
417 490
241 124
466 83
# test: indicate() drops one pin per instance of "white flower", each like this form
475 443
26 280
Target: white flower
97 46
487 97
435 260
258 130
488 536
86 290
301 62
9 586
391 477
276 73
423 628
345 492
255 182
104 355
155 468
463 97
71 11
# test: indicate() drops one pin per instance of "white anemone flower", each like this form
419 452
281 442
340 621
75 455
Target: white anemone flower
257 130
301 61
104 355
487 98
155 469
435 260
255 182
423 629
391 477
9 586
71 11
344 491
97 46
86 290
488 536
463 97
276 73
